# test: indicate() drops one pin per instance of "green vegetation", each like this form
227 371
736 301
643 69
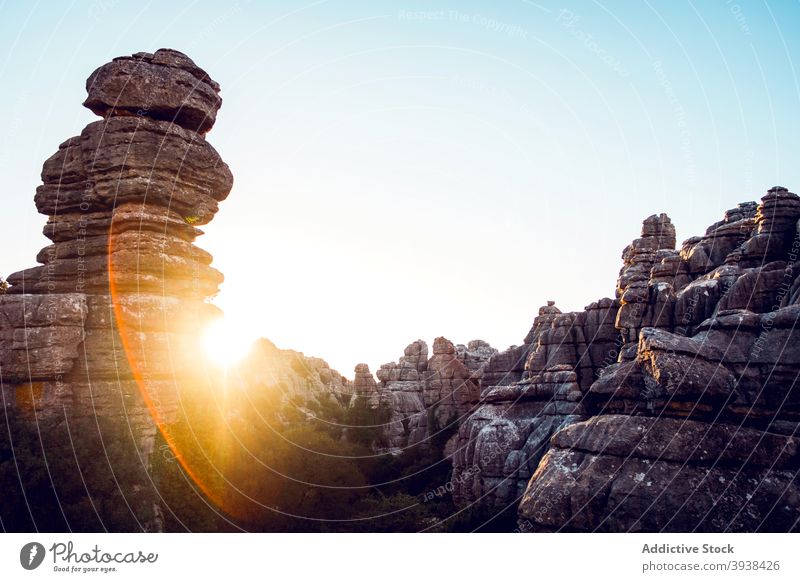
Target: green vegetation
259 463
72 474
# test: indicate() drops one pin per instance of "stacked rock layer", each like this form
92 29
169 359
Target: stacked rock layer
425 398
695 427
107 325
500 445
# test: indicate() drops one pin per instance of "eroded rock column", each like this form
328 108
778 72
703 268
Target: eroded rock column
100 339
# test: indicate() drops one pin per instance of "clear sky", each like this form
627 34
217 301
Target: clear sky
412 169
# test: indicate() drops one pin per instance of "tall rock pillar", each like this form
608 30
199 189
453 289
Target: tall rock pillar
99 340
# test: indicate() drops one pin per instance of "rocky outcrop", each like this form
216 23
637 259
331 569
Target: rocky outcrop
499 446
694 427
107 326
475 356
425 397
40 336
166 86
401 389
449 389
586 341
698 346
363 382
300 380
636 473
655 246
508 366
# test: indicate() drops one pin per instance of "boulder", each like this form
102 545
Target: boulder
166 86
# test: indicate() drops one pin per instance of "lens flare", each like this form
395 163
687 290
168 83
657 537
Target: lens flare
225 343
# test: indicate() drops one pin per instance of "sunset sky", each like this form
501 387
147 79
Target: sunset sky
406 170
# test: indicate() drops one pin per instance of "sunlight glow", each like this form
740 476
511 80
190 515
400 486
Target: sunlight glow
225 343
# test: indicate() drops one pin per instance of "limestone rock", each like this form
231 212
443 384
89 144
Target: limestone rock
565 352
661 474
475 356
107 326
449 388
301 381
166 85
693 427
508 366
425 397
40 335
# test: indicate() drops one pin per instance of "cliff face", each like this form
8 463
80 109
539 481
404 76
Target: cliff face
104 332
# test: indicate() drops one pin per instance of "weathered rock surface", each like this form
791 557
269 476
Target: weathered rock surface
40 335
449 390
401 389
694 427
499 446
508 366
475 356
165 85
363 382
425 397
107 326
127 193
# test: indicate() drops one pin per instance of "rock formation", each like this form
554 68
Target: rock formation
475 356
363 382
499 446
401 389
424 397
302 381
695 427
449 390
106 327
508 366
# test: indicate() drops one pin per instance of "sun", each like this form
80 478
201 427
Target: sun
226 343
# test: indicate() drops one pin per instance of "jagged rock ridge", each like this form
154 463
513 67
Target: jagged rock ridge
424 396
673 407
